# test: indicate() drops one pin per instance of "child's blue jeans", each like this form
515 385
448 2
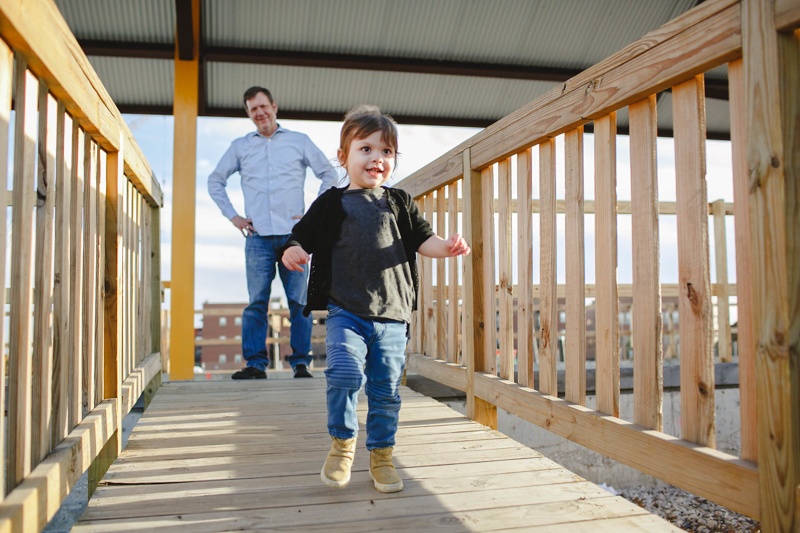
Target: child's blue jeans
363 351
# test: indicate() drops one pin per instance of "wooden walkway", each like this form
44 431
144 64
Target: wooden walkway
246 456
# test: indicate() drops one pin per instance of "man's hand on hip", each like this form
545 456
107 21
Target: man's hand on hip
245 225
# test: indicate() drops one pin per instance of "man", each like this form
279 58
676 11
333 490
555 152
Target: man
272 163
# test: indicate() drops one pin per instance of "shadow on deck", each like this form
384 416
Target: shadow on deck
225 455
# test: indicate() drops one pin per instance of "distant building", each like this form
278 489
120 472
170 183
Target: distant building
221 342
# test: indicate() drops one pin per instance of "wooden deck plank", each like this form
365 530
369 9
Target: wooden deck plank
209 470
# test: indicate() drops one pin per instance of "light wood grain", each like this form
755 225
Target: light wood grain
720 20
19 343
721 269
6 75
453 308
703 471
700 47
430 340
451 468
606 303
487 220
89 295
441 279
76 278
505 296
37 499
647 326
787 15
548 299
475 281
771 86
37 31
62 295
746 341
575 342
43 277
697 359
525 310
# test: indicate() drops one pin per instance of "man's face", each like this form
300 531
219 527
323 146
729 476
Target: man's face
263 113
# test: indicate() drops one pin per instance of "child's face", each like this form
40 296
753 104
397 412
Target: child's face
369 162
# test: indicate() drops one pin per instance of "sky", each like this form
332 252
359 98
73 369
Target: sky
219 257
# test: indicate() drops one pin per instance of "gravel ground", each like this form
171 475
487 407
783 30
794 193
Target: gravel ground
687 511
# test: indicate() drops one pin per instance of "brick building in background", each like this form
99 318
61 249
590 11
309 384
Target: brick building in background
220 338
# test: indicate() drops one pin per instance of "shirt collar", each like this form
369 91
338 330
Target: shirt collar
277 130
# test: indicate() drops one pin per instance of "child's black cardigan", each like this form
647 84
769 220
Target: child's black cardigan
320 228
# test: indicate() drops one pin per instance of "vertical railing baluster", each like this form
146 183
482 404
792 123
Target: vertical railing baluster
646 320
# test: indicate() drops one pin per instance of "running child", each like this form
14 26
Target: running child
364 238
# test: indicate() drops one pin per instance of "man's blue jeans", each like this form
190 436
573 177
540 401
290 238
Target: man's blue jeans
362 350
261 256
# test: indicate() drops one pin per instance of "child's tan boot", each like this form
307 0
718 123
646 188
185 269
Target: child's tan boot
383 472
336 470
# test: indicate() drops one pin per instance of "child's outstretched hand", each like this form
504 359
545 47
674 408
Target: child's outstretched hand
294 258
457 245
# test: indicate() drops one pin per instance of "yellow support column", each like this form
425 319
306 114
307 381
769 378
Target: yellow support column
183 202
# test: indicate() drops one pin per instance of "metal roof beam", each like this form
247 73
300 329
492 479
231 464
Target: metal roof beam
128 50
184 32
715 88
385 63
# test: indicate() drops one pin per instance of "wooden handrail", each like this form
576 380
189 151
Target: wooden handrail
672 57
84 337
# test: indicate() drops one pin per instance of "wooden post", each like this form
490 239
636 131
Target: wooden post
648 380
697 360
19 343
505 297
453 309
183 207
6 69
112 336
548 295
745 330
575 352
525 312
605 227
475 322
721 268
772 83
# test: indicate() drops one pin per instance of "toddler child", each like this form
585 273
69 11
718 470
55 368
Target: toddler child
364 238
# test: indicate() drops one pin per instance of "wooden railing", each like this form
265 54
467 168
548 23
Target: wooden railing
83 337
470 189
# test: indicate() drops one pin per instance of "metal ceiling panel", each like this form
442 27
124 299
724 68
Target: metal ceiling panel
557 36
567 33
334 90
136 82
142 21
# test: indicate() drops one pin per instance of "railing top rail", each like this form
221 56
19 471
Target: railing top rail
700 39
36 30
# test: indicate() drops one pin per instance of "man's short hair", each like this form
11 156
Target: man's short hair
253 91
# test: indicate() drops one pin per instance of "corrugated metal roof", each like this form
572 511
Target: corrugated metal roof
120 20
526 35
564 33
138 82
332 90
